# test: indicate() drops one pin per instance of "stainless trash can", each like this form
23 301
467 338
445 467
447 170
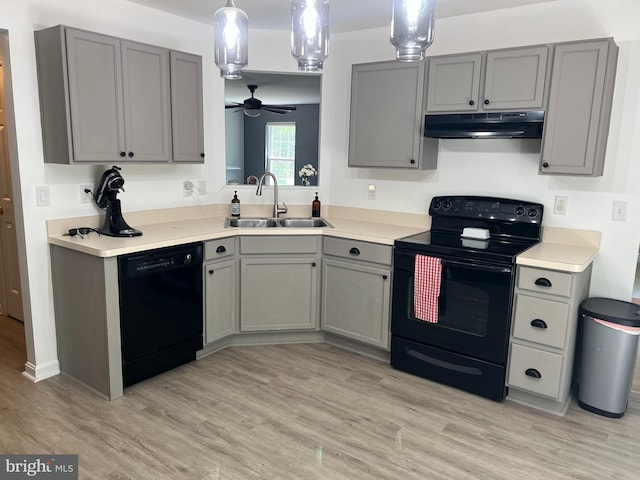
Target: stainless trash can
611 330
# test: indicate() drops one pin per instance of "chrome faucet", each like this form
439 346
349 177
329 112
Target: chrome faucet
276 208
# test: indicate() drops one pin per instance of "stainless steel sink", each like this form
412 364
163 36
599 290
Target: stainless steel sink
297 222
304 222
250 222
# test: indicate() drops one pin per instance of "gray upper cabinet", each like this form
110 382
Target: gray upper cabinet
511 79
147 106
105 100
186 106
454 83
580 97
387 119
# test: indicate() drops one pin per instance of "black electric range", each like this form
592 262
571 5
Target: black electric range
463 340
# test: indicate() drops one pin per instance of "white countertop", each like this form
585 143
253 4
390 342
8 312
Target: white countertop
158 235
558 256
561 249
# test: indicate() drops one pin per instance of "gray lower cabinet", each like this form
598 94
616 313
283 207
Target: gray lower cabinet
356 290
106 100
221 300
544 335
577 121
279 283
497 80
87 310
387 122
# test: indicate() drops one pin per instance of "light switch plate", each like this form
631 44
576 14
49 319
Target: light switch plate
42 196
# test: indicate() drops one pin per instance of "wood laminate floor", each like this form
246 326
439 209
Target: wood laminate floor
309 411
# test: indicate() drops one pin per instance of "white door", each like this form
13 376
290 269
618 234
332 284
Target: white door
10 295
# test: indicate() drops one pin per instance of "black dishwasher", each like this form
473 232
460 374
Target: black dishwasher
161 314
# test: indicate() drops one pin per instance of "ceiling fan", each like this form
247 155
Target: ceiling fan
252 107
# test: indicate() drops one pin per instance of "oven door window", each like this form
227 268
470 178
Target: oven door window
474 308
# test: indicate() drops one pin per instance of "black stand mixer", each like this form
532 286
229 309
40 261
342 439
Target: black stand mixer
114 225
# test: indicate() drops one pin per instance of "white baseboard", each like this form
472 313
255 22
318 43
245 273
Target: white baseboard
37 373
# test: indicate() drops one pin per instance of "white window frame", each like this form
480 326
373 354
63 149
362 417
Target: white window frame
267 151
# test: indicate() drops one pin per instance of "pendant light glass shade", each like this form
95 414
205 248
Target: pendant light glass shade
231 27
310 33
412 28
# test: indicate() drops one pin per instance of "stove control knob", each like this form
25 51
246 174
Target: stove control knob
519 210
437 204
446 204
532 212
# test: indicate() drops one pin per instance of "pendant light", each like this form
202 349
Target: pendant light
231 27
412 26
310 33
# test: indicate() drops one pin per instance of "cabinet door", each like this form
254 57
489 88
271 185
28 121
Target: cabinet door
186 106
454 83
145 78
386 115
355 301
515 79
278 294
220 300
577 120
95 97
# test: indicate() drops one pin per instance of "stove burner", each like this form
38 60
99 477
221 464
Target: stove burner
514 226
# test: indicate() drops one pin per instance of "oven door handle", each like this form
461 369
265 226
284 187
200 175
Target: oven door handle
477 266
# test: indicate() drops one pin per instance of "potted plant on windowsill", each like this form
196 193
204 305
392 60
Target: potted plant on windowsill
306 173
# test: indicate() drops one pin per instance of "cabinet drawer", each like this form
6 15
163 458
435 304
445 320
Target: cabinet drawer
220 248
527 363
358 250
278 244
545 281
539 320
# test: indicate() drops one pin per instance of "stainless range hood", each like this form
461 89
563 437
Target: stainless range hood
485 125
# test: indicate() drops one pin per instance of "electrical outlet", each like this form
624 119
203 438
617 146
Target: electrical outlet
620 211
85 197
561 205
187 188
202 187
372 191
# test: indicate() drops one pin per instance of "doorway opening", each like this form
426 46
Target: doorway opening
12 330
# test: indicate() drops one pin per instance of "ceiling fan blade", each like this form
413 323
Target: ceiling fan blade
289 108
274 110
237 105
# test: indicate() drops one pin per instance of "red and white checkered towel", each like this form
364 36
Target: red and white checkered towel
426 288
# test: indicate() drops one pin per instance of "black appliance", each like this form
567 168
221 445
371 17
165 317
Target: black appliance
161 313
467 346
114 225
485 125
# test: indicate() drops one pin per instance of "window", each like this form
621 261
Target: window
280 151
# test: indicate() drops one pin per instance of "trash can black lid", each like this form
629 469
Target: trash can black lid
610 310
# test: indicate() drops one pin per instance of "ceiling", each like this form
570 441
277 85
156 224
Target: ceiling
346 15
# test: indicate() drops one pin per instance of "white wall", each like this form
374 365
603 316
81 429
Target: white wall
495 167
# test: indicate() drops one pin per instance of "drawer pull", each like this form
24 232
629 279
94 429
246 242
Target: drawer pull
384 277
538 323
354 251
543 282
221 249
210 272
532 372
